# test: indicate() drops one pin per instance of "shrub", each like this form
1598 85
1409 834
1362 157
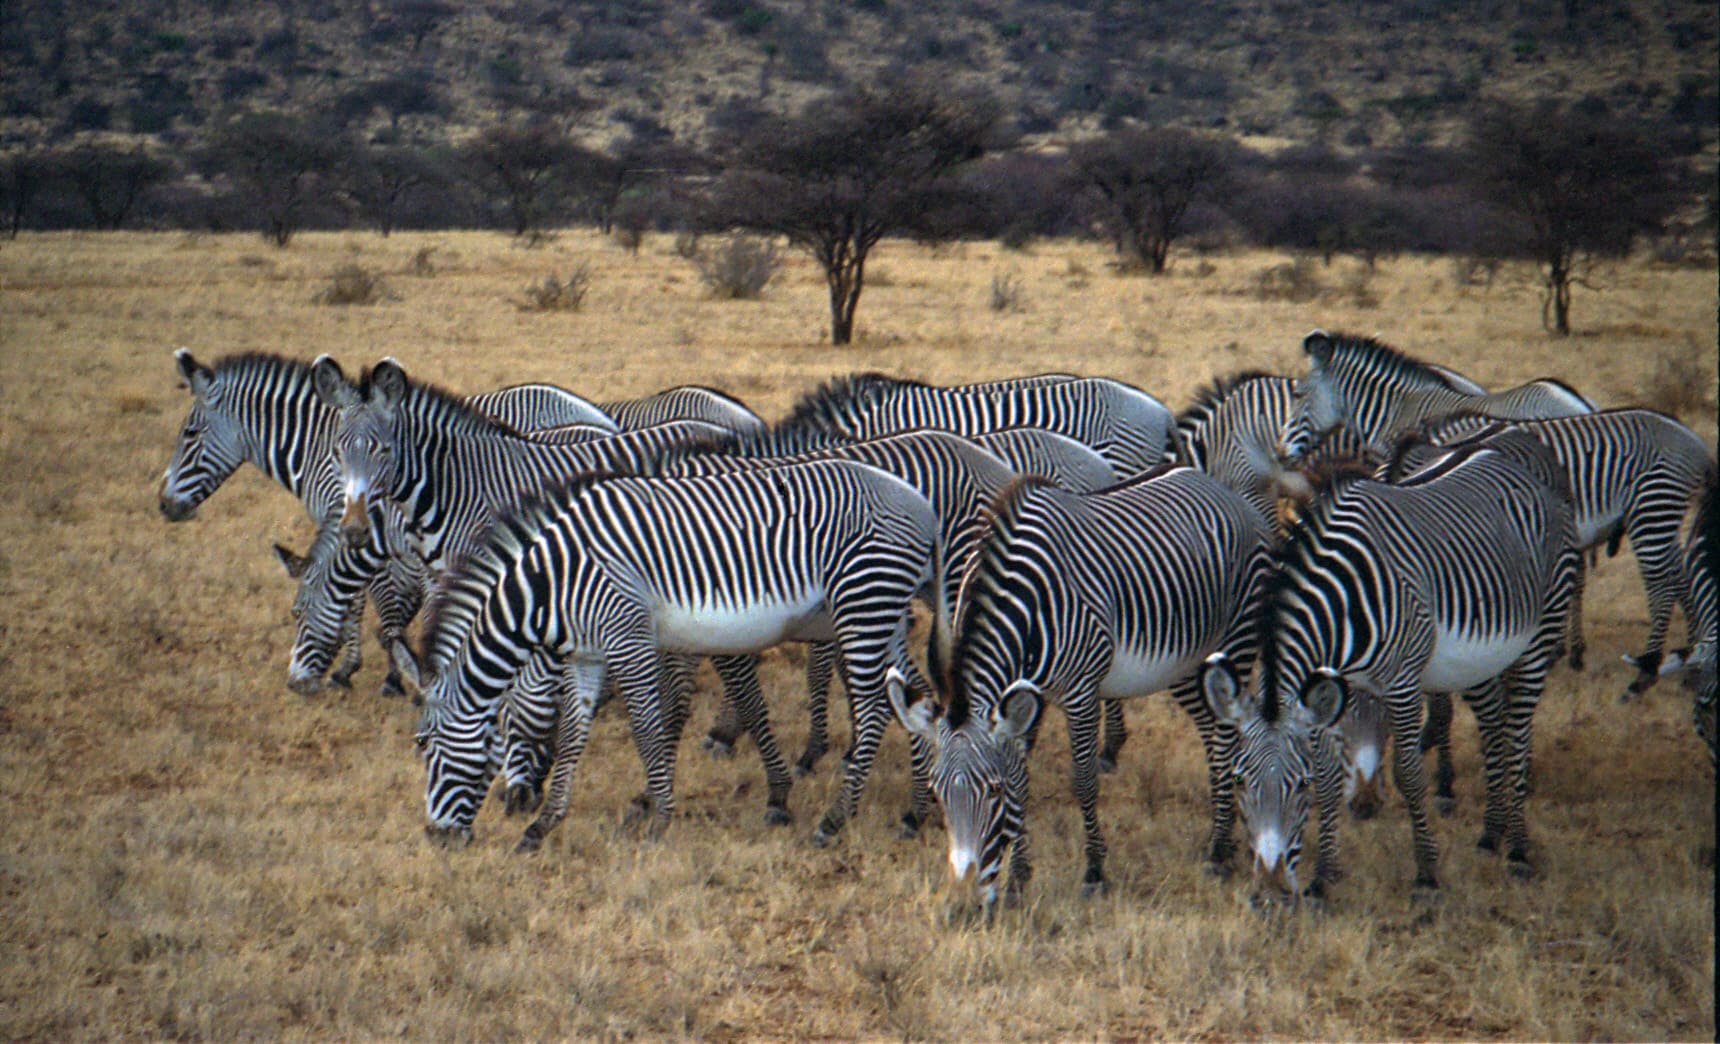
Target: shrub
1682 381
353 284
739 268
421 264
1294 280
557 295
1005 292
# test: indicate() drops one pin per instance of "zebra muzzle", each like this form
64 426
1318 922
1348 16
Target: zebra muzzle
355 520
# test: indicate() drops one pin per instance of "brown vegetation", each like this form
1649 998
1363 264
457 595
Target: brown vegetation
191 850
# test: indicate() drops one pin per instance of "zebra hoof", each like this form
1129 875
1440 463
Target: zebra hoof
392 687
776 815
1425 893
1107 766
1576 659
719 748
1518 866
1094 889
821 838
908 827
338 680
636 811
1218 869
1445 806
1487 843
522 799
807 762
529 843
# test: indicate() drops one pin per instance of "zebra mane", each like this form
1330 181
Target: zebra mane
1212 395
1289 560
826 406
443 404
246 364
1329 474
1001 518
1373 356
730 444
1428 431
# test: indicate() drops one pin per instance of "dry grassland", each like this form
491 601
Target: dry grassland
190 850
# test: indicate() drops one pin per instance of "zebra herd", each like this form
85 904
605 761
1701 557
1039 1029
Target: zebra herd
1074 541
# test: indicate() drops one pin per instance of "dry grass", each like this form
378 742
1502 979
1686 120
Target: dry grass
194 851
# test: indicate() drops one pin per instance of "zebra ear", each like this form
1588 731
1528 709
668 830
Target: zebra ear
293 562
331 384
1318 345
196 376
1324 694
919 717
1019 708
387 383
1223 689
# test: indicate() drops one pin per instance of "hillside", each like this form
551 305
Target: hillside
1355 74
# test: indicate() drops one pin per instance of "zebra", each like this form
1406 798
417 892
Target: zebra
1076 600
1378 393
449 469
1035 451
1458 579
1634 473
607 572
1702 613
686 402
262 409
1130 428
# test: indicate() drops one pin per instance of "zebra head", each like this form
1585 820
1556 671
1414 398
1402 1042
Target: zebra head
457 753
1319 404
1274 766
326 609
1366 734
211 442
363 435
979 774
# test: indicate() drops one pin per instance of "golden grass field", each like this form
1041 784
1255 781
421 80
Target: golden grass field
190 850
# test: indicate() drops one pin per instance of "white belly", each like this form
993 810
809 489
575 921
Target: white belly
1460 662
1141 674
709 630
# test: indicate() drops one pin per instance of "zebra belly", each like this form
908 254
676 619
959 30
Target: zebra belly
1135 673
717 630
1462 661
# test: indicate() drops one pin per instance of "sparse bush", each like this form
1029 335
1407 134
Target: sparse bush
687 245
558 295
1682 380
1294 280
421 264
740 268
1005 292
1468 270
353 284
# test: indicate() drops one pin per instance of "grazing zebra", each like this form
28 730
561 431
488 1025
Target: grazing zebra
1634 473
1074 600
263 409
1130 428
1457 579
1702 611
686 402
607 573
1378 393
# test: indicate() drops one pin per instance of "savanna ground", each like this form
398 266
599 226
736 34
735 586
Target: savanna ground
191 850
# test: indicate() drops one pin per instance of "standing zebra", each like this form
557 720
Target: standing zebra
1702 611
686 402
1456 580
1074 600
1634 473
1378 393
608 573
263 409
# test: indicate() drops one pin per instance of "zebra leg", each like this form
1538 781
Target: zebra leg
1219 744
920 812
1404 709
1116 734
350 656
655 717
1329 769
578 696
1436 736
1082 713
1654 539
726 730
1574 627
821 661
741 688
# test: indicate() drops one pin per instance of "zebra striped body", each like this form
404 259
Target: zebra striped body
1130 428
1634 473
1068 462
686 402
1074 600
608 573
1702 610
1456 580
1378 393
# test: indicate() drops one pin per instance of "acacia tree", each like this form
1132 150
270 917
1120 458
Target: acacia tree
280 162
1578 185
22 175
111 180
534 169
1145 181
849 170
379 179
